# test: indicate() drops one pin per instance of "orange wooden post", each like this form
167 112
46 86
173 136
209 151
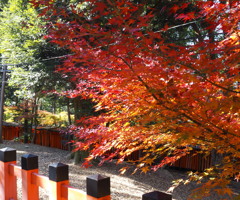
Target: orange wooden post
58 176
29 165
8 182
98 187
157 196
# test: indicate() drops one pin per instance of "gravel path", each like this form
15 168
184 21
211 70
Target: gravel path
123 187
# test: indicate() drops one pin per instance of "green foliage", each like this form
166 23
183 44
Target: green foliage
62 118
45 118
21 43
21 138
20 32
3 3
48 119
10 113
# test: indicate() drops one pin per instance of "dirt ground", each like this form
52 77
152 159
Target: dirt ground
123 187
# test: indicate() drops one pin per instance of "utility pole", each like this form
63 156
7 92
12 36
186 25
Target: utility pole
2 100
4 71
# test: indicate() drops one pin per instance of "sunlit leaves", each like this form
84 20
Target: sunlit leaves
156 97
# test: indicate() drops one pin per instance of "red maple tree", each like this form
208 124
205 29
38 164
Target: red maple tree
157 95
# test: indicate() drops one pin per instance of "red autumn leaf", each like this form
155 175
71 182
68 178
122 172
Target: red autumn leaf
157 94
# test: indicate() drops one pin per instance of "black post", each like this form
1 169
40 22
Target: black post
58 172
29 162
98 186
8 154
157 196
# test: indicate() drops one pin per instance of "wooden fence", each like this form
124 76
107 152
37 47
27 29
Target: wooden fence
57 183
44 137
53 138
11 132
194 161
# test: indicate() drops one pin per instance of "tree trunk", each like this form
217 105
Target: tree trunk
54 105
25 126
211 36
32 118
77 157
69 112
35 121
77 115
70 137
77 109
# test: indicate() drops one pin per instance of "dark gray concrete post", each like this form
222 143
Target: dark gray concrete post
29 162
157 196
98 186
8 154
58 172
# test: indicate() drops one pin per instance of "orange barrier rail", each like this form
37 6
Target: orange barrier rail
57 183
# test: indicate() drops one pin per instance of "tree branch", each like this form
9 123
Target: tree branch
203 75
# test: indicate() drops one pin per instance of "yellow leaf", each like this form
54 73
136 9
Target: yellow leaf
149 161
145 169
123 170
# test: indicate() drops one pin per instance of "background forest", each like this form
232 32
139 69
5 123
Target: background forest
35 92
